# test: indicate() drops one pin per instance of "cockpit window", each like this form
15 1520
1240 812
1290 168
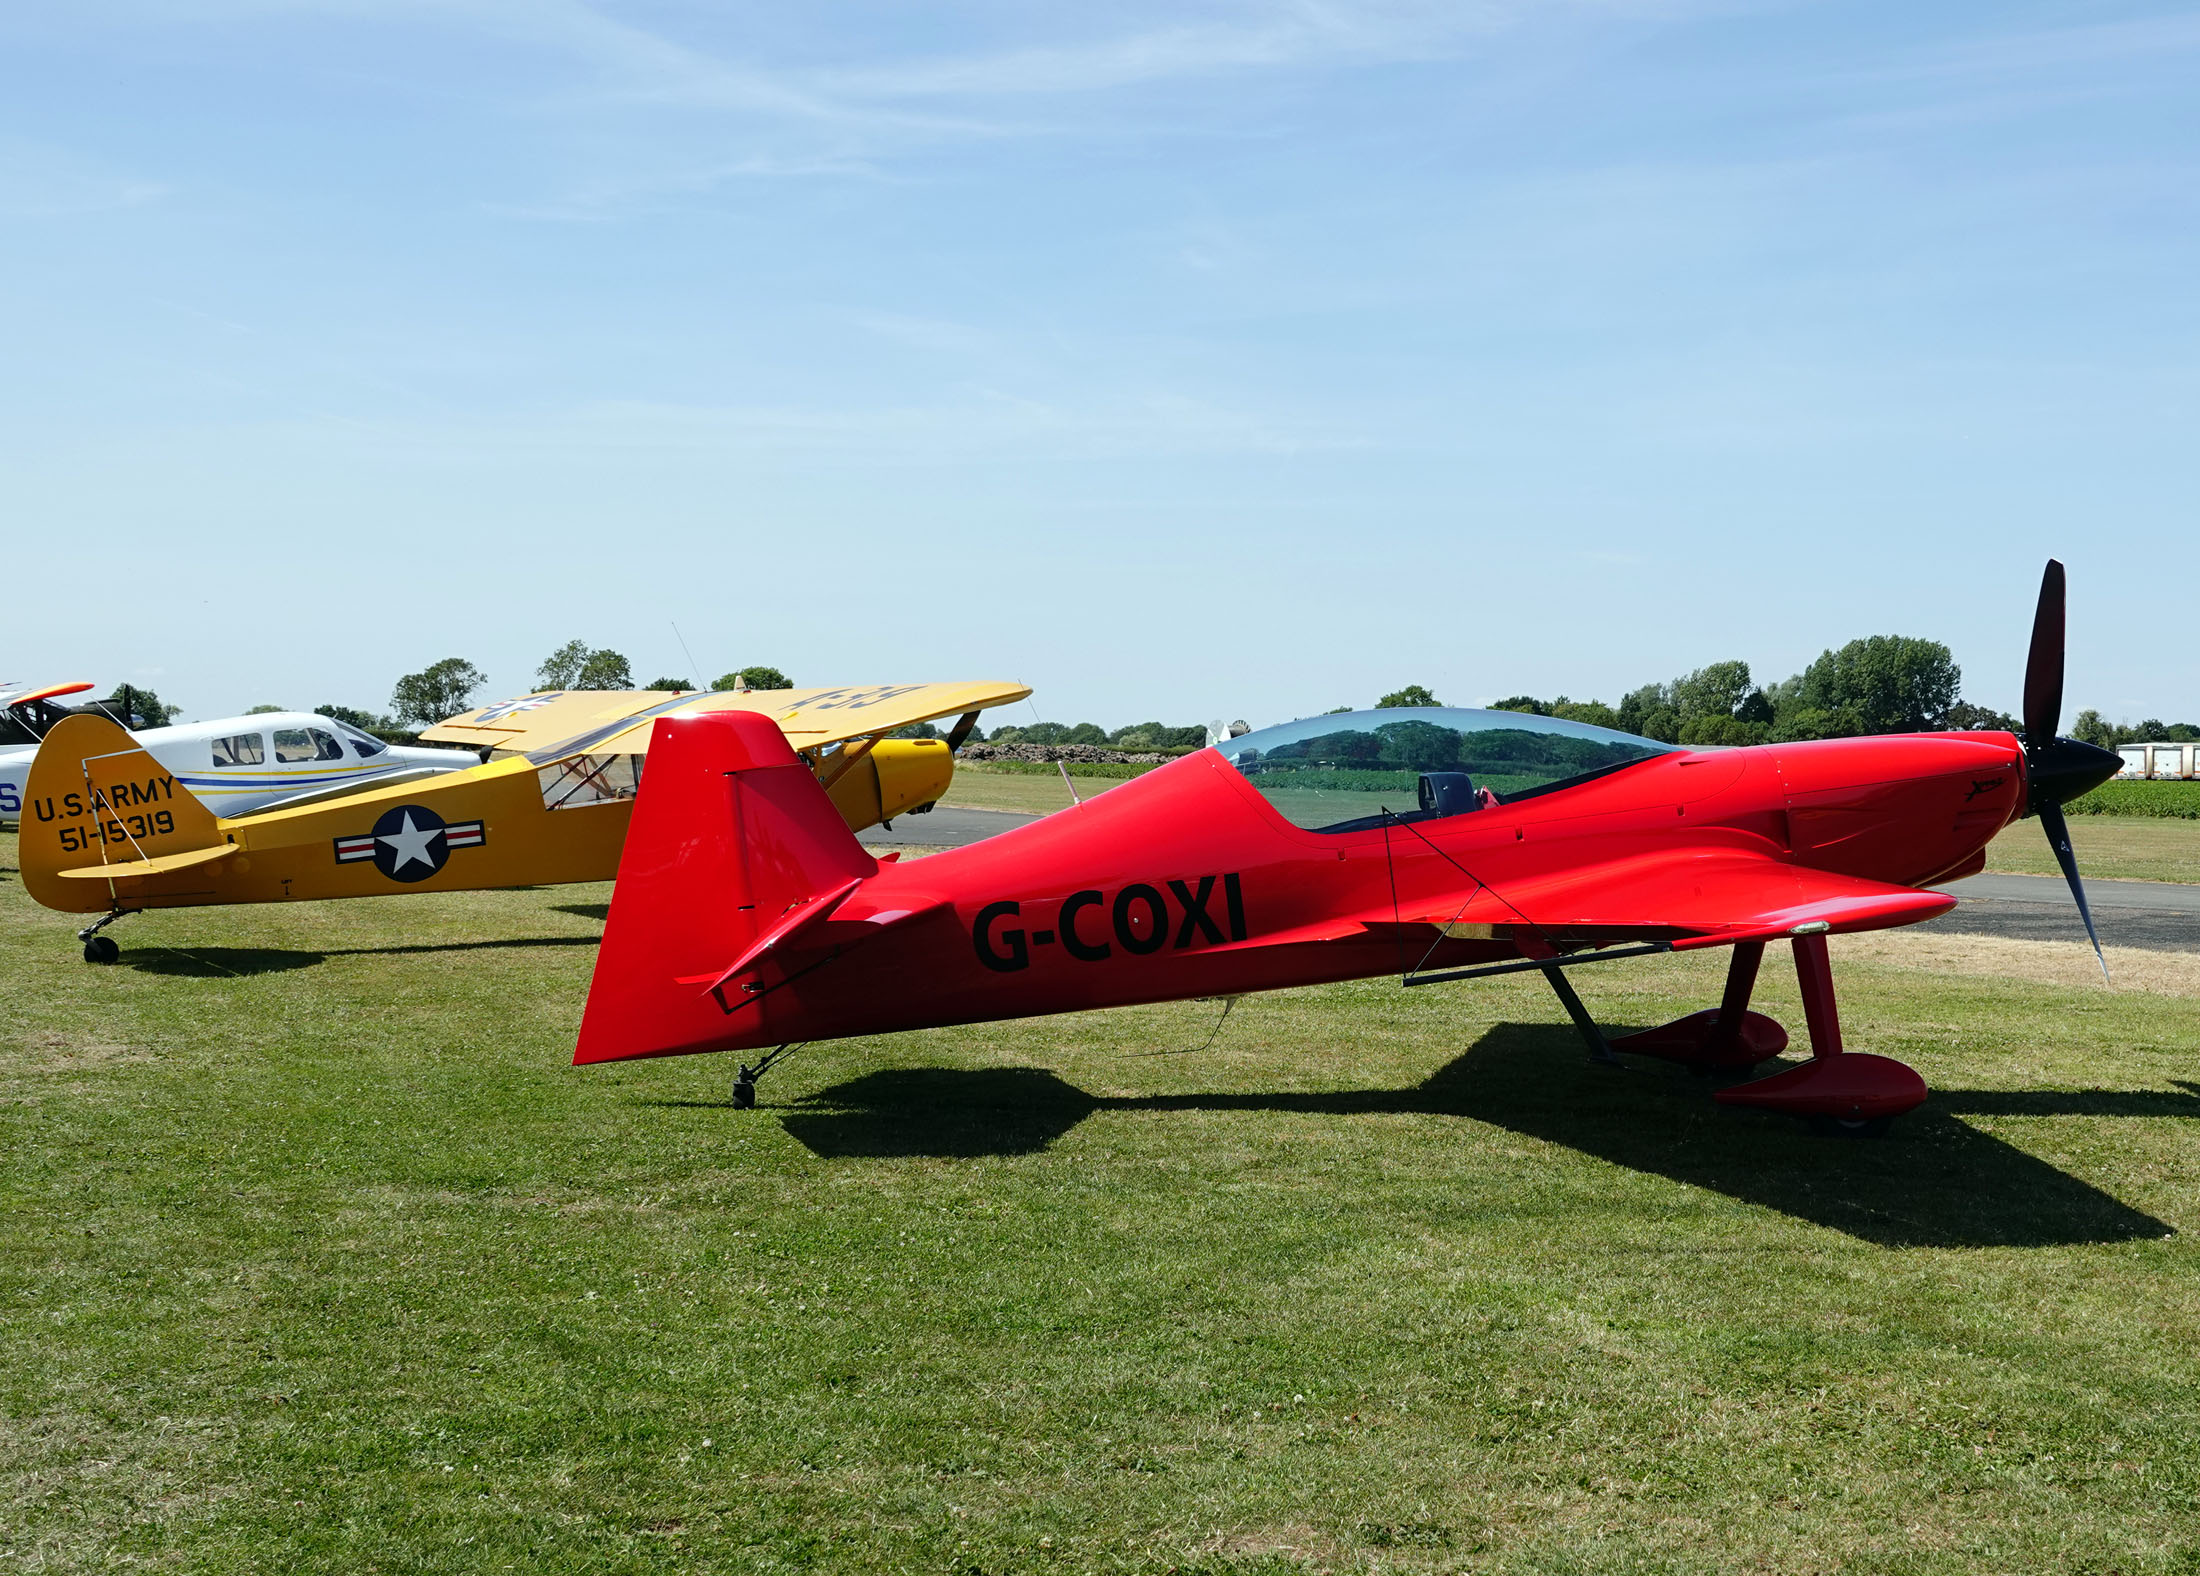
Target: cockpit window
246 749
305 744
363 745
1355 770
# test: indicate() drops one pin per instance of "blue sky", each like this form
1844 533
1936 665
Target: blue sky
1181 361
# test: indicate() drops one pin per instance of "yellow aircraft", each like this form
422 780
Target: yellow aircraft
107 827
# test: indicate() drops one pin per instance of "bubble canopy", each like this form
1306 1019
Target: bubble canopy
1354 770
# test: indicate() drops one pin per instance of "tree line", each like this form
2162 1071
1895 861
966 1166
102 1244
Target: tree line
1879 684
444 689
2093 729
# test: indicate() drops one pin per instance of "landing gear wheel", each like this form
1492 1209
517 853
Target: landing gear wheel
101 949
744 1086
1841 1127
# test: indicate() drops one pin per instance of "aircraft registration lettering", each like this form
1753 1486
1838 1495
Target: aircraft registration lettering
10 803
111 814
132 828
1140 919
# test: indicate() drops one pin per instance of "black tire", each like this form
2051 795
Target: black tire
744 1095
1841 1127
101 949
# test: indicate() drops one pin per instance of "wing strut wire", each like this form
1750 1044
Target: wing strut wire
1391 817
1550 964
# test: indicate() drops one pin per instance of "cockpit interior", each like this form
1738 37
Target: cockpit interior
24 724
1355 771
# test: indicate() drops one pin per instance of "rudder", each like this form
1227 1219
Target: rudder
730 832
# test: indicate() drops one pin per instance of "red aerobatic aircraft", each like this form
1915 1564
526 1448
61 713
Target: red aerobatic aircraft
1435 843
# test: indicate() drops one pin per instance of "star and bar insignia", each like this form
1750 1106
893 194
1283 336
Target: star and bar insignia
410 843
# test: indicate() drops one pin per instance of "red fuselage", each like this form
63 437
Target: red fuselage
1187 883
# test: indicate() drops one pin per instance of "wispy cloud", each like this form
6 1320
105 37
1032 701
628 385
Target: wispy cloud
643 91
970 422
607 198
2060 49
42 182
1992 76
1283 36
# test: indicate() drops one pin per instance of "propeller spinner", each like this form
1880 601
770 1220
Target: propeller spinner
2057 770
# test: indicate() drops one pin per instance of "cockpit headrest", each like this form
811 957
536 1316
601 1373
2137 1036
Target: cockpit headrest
1448 793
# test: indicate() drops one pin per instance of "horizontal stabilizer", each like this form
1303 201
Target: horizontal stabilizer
160 864
804 917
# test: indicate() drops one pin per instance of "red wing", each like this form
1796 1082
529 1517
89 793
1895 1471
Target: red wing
1699 899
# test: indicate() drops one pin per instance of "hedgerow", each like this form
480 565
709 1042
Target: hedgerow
2172 801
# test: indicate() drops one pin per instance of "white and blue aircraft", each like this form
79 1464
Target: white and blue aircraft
234 765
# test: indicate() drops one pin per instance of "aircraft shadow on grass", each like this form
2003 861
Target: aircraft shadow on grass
1935 1182
226 962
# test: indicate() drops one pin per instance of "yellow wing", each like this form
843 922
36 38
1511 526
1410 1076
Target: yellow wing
559 723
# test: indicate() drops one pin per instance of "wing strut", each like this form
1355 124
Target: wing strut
1600 1049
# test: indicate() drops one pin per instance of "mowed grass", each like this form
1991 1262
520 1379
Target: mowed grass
318 1256
975 788
2109 848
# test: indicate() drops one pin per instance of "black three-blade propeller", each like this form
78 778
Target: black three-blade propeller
2057 770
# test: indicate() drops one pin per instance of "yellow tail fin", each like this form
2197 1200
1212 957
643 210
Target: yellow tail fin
103 821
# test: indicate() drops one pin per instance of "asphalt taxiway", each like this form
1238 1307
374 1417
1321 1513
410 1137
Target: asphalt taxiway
2160 916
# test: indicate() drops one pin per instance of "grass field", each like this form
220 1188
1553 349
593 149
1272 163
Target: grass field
317 1256
2109 848
976 788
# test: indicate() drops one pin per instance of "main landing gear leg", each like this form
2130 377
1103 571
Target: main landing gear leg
744 1083
1728 1038
1725 1038
98 948
1837 1090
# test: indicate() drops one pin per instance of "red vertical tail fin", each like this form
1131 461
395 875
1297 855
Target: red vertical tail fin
731 832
